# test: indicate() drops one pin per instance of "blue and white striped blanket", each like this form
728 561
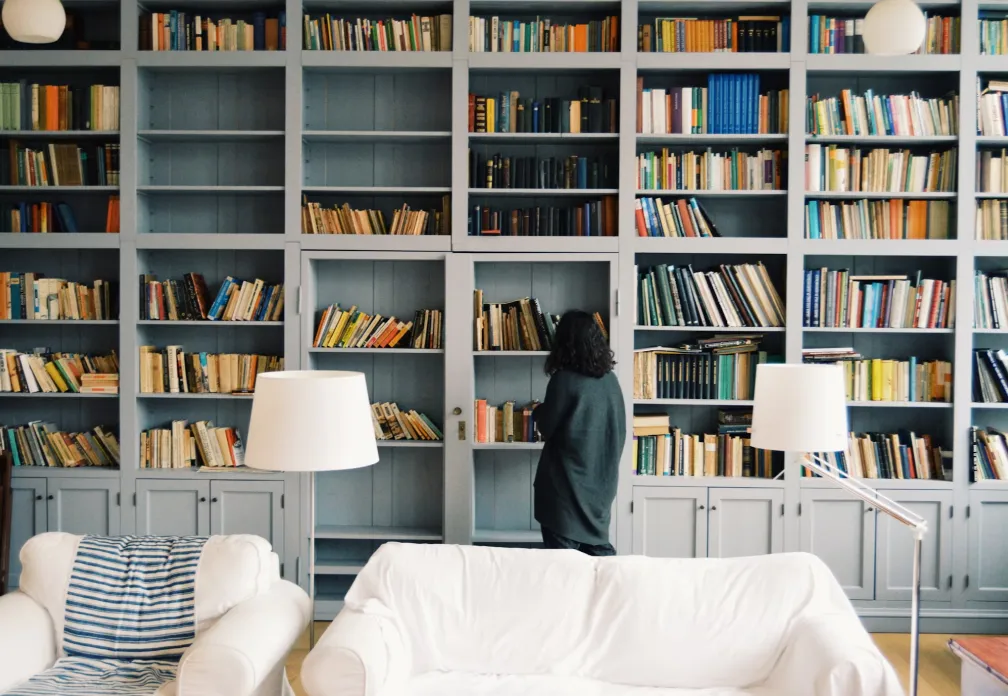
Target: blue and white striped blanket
129 617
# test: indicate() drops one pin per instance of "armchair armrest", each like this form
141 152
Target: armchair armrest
362 653
246 649
27 639
833 655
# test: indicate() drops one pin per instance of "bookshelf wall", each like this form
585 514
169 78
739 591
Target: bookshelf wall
217 152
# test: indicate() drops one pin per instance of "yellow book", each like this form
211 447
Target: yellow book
337 329
876 380
491 113
57 378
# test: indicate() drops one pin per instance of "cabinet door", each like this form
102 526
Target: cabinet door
173 508
840 530
84 506
895 543
670 522
987 567
248 507
745 522
28 518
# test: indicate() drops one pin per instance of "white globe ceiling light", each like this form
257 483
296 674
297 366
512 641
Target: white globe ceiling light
34 21
893 28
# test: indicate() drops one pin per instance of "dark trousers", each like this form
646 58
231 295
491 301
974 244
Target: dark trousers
555 541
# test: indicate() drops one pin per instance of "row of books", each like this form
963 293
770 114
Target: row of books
42 444
508 112
990 378
181 31
730 104
44 216
496 35
571 172
840 299
846 35
990 300
722 368
842 170
346 220
187 299
593 218
185 445
33 297
905 115
903 455
735 295
873 219
989 454
992 28
328 33
992 219
992 171
735 170
172 370
992 108
680 218
659 449
56 373
517 325
877 379
505 423
352 328
739 34
392 423
59 164
39 107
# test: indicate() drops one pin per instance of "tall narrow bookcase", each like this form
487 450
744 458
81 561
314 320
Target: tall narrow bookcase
218 151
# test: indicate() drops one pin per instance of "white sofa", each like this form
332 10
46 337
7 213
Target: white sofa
243 621
428 620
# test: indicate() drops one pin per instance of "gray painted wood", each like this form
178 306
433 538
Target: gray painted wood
894 549
173 508
987 556
83 506
745 522
670 522
28 518
248 507
841 531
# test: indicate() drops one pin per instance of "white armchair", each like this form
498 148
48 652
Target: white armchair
89 618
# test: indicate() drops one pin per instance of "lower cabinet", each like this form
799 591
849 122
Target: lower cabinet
696 522
211 506
75 505
840 530
987 557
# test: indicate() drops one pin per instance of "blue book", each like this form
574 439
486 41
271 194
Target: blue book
816 284
259 31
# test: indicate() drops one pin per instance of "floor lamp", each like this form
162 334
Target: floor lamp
308 421
803 408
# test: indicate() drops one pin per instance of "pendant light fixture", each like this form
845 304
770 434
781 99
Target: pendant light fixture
34 21
894 28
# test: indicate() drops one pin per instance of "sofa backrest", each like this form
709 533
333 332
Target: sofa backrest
670 623
230 570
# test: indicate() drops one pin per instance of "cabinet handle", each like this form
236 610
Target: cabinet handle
202 500
213 500
51 496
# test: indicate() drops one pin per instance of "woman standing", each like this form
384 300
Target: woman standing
583 424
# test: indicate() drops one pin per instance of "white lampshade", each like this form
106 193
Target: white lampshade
800 408
310 421
894 28
34 21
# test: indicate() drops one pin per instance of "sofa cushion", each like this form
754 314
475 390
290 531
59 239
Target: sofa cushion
698 623
79 676
461 684
480 609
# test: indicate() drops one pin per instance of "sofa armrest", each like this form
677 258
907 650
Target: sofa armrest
833 655
27 639
362 653
247 647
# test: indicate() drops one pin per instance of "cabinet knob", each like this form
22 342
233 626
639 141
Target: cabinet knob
213 500
38 497
713 508
701 507
869 509
202 499
51 496
457 411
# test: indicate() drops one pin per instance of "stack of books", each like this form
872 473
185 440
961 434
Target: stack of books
352 328
42 444
184 445
392 423
52 373
505 423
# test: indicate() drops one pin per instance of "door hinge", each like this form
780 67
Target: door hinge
967 511
298 303
617 301
631 507
782 509
134 500
118 499
799 509
966 581
950 581
297 570
281 501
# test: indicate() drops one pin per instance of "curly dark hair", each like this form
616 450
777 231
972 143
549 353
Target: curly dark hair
579 346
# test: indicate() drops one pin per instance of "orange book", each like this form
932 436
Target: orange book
481 420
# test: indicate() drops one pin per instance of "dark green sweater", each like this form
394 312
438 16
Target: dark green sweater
583 424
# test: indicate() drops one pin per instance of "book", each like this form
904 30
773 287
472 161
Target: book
37 443
570 172
992 219
592 218
51 373
734 170
905 115
896 218
835 299
501 35
902 455
416 33
345 220
990 299
177 30
47 216
731 103
30 106
59 164
878 379
989 454
879 170
33 297
831 35
185 445
733 34
992 27
519 325
587 110
698 371
173 370
187 299
352 328
505 423
392 423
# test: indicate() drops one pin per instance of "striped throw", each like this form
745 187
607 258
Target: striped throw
132 598
79 676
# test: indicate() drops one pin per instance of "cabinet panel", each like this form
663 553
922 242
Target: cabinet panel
173 508
745 522
248 507
841 531
894 548
987 557
28 518
670 522
84 506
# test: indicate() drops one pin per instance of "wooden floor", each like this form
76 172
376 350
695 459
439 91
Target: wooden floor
939 668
